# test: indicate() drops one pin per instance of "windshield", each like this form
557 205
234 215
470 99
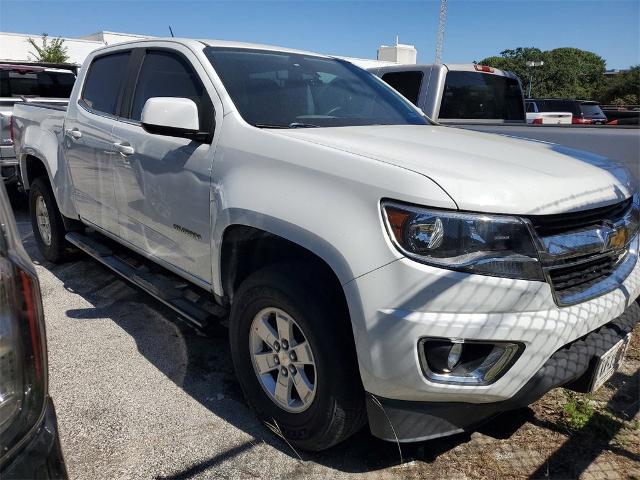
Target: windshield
289 90
481 96
36 84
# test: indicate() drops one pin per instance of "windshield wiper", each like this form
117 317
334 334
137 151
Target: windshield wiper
291 125
303 125
268 125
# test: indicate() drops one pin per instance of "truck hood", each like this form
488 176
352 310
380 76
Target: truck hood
486 172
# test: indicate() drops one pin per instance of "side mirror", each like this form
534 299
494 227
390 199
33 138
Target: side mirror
172 116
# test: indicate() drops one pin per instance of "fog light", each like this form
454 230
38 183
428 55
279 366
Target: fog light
466 362
454 356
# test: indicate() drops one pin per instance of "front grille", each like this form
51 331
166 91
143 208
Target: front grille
584 274
546 225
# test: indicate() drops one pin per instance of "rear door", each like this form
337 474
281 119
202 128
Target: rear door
88 142
163 186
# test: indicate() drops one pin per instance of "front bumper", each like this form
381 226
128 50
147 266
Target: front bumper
395 306
571 366
41 457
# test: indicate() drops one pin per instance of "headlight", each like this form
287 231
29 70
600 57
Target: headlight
476 243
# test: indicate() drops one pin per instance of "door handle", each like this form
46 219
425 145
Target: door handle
124 149
74 133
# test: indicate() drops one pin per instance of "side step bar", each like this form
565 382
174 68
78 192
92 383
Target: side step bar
193 303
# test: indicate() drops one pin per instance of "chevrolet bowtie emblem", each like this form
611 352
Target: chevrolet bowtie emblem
617 239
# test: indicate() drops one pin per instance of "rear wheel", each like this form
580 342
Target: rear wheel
46 221
294 357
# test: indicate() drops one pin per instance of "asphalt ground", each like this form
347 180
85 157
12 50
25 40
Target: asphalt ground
139 394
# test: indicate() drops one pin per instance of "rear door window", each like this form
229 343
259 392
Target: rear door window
104 81
167 74
481 96
407 83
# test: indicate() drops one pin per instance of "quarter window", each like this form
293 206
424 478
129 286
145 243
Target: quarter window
164 74
104 80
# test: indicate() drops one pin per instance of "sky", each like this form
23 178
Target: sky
475 29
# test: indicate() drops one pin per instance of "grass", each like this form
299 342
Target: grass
578 410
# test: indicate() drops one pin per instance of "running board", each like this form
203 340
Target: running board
193 303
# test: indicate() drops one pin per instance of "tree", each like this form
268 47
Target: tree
54 52
567 72
622 89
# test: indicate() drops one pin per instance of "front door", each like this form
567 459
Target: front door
88 142
162 183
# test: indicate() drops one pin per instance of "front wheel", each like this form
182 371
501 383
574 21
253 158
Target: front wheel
294 358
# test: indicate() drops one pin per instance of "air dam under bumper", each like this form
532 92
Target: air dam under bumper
571 366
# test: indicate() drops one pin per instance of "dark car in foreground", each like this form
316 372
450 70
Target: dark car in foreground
583 111
29 443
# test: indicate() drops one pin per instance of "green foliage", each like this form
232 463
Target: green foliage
623 89
578 410
566 73
54 52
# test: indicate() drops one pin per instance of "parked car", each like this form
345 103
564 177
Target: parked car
26 83
29 444
536 117
486 99
374 264
583 111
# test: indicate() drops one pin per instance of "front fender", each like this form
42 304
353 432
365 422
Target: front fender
323 199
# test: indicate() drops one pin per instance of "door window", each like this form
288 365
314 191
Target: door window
165 74
407 83
104 80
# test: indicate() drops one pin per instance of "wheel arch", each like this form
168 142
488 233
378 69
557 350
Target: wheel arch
246 248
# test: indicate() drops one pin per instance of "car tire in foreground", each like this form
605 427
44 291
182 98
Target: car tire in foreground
294 357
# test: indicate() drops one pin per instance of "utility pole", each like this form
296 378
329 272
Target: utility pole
531 65
441 22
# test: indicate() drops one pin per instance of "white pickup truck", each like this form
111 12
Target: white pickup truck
371 263
486 99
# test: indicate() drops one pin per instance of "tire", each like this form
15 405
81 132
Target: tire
337 407
53 247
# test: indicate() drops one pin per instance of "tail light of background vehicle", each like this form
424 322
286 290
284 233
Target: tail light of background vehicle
483 68
581 121
537 121
23 360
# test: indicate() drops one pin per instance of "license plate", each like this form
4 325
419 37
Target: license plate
609 362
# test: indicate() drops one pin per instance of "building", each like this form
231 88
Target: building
398 53
15 47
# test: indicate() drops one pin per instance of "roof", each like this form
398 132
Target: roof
257 46
32 67
456 67
564 99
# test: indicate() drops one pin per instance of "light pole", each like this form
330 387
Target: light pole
530 65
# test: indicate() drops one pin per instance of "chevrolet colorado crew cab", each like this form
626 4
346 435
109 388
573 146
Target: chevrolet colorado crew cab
369 262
